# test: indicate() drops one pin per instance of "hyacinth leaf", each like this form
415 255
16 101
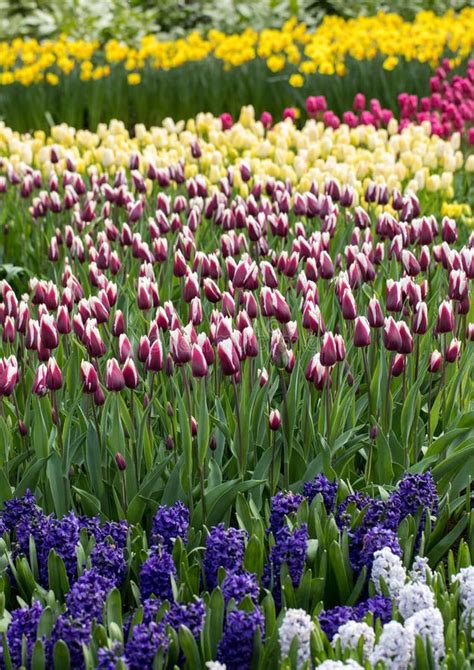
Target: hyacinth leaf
339 566
93 460
203 425
189 647
444 544
6 653
114 608
61 656
221 498
25 578
40 431
38 661
213 624
46 623
57 576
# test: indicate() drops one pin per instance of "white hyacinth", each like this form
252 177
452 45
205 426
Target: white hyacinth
340 665
428 624
465 578
395 647
349 635
215 665
420 570
296 623
413 598
389 567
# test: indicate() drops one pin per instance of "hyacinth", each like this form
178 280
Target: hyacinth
156 573
340 665
290 548
23 625
360 500
108 560
236 646
349 635
169 523
331 620
224 548
151 607
191 615
215 665
428 624
420 570
388 567
414 492
321 484
107 659
377 538
110 530
379 606
394 648
237 585
465 579
296 624
144 643
74 634
85 601
414 597
18 508
283 504
62 535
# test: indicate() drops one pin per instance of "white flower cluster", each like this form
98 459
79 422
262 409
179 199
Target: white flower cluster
428 624
388 567
340 665
420 570
414 597
394 648
296 623
351 632
215 665
465 577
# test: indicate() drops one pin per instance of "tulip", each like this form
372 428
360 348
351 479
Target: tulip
394 300
120 461
391 336
328 354
114 379
9 330
8 375
180 347
199 366
54 377
49 332
228 357
435 361
39 383
375 315
130 374
361 332
348 305
445 320
274 419
406 338
398 365
90 381
453 351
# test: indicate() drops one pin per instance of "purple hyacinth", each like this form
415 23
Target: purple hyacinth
18 508
74 634
170 523
321 484
290 548
283 503
380 606
360 500
143 645
85 601
23 625
330 620
224 548
156 573
237 585
414 492
108 560
117 530
236 645
191 615
62 535
107 659
150 609
374 539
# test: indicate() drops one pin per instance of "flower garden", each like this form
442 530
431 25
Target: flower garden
236 356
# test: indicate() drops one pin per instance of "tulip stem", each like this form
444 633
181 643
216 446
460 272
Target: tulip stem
387 398
367 377
239 429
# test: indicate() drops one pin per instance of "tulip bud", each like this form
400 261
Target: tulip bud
391 336
114 380
435 361
375 315
89 377
398 365
361 332
228 357
130 374
194 426
453 350
274 420
328 354
169 443
406 338
420 321
54 377
263 376
48 332
394 300
445 320
120 461
199 366
348 305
